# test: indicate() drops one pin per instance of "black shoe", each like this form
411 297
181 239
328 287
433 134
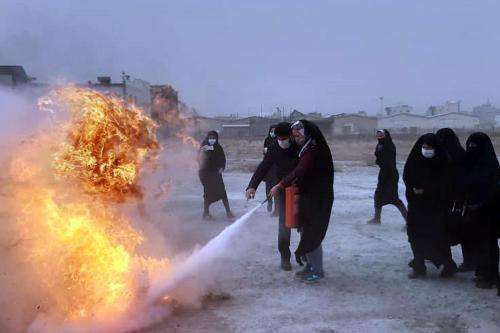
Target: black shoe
465 267
417 274
374 221
484 284
230 216
448 271
286 265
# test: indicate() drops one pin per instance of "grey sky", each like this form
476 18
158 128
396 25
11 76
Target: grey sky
234 56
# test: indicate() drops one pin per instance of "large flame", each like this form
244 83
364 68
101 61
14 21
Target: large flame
83 250
107 141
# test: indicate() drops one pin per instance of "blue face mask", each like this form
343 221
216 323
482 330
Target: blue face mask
212 141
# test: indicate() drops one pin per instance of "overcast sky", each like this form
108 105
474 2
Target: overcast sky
234 56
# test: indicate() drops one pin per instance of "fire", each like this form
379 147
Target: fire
107 143
67 186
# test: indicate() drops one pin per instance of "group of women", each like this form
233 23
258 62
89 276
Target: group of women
452 196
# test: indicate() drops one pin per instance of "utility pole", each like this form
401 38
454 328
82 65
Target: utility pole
125 78
381 98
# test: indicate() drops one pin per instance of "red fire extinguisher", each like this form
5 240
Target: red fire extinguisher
292 207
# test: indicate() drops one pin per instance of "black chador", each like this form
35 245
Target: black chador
426 191
388 177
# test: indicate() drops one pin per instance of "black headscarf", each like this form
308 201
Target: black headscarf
269 139
481 170
483 153
315 137
419 169
386 148
211 160
451 144
209 134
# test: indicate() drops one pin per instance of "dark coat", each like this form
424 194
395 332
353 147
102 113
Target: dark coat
456 189
426 223
271 176
388 176
314 178
211 160
282 160
481 186
456 170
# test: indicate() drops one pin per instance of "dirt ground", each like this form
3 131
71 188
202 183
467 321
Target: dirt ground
366 288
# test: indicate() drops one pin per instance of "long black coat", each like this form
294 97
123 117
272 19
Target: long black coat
388 176
426 223
271 176
211 161
314 179
481 186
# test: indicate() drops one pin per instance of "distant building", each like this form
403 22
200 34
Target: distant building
447 107
403 108
12 76
353 124
247 128
135 90
417 124
487 114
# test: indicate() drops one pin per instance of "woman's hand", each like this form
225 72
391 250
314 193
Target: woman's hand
274 191
250 193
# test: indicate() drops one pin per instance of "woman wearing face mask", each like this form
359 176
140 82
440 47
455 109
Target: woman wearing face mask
425 177
314 178
481 184
212 162
271 177
456 196
388 177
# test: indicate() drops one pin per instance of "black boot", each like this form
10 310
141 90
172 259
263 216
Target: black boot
285 264
418 269
449 270
376 218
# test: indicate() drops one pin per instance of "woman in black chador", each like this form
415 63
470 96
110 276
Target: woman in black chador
271 178
456 195
388 177
481 224
314 178
212 162
425 177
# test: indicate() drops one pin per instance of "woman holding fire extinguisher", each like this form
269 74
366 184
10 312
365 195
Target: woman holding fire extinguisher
313 177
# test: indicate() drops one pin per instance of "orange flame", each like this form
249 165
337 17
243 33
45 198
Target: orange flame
83 251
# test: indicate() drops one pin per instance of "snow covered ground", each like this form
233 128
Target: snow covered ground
366 288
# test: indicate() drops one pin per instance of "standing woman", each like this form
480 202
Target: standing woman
456 195
426 192
314 178
212 162
271 178
481 183
388 177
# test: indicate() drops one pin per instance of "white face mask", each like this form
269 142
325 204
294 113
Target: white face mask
284 144
272 135
428 153
211 141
